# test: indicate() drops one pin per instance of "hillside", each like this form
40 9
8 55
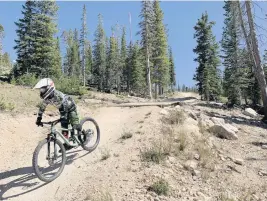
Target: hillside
170 150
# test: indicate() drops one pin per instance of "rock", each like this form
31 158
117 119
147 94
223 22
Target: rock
216 120
262 173
232 128
190 165
177 107
250 112
164 112
196 172
238 161
222 157
92 101
264 146
193 115
172 159
196 156
255 197
223 131
137 191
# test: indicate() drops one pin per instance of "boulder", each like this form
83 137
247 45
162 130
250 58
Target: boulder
250 112
164 112
216 120
191 165
224 131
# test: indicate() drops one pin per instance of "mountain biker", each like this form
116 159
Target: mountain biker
65 104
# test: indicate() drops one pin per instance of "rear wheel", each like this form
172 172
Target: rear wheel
51 157
88 133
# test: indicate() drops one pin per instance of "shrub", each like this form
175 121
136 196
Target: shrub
6 106
126 135
174 117
25 80
156 153
160 187
70 86
105 154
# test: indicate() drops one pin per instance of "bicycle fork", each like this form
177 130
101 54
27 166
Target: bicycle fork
48 157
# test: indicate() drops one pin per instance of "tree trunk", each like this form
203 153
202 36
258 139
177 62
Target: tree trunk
156 91
254 53
148 68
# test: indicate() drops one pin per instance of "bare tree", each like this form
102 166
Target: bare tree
252 45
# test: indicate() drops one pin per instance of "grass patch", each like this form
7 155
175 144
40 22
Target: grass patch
156 153
224 197
6 106
102 196
175 140
174 117
206 156
105 154
160 187
126 135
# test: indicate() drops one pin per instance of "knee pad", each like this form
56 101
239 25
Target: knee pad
77 127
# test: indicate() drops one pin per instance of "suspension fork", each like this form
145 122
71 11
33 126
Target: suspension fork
49 139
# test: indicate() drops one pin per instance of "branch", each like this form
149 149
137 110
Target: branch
262 10
260 27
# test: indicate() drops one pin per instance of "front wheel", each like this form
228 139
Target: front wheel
88 133
50 155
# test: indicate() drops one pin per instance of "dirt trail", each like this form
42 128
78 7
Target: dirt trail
19 136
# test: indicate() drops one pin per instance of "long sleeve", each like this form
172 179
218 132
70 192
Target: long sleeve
42 108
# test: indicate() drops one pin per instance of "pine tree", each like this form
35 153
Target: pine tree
83 44
172 70
112 64
88 62
72 59
76 62
36 45
1 47
128 71
123 55
183 88
161 76
265 63
99 53
207 74
1 38
45 43
137 70
26 38
230 45
178 88
57 68
147 34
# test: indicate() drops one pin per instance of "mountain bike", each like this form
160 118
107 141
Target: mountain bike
52 142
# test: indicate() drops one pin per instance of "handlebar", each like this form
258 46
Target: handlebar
50 122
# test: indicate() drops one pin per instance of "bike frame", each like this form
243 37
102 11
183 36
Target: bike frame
54 133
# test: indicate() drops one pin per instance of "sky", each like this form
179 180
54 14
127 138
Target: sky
180 16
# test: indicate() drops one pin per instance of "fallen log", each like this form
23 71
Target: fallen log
145 104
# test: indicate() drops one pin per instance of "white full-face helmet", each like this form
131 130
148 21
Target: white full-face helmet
46 86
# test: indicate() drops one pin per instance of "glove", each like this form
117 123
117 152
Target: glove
38 121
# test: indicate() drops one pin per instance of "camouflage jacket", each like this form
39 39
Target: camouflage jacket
61 101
